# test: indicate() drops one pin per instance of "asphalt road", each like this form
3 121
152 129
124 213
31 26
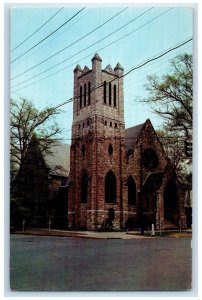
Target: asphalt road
39 263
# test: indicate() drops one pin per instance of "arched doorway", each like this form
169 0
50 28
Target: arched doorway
171 202
110 188
131 191
84 187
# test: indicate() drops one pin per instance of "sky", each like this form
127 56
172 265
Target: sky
134 34
173 27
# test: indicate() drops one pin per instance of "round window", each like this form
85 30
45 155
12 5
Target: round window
150 159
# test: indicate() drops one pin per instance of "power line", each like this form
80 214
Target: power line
78 40
37 29
156 66
96 43
131 70
70 66
157 57
89 47
48 35
55 37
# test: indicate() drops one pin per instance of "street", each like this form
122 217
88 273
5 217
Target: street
41 263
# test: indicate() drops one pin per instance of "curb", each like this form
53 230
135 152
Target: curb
126 236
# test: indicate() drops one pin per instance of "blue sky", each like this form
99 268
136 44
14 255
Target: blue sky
156 30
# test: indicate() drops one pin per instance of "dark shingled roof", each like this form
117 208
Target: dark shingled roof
59 171
58 160
131 135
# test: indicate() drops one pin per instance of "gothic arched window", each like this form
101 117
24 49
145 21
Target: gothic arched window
105 92
110 149
89 95
80 96
83 150
110 188
110 93
114 95
84 188
85 94
131 191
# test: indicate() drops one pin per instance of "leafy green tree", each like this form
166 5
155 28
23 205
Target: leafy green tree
174 147
171 98
33 182
33 132
25 120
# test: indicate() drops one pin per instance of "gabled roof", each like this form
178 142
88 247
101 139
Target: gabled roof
59 171
132 135
58 160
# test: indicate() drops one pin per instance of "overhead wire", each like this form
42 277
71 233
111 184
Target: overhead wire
158 56
128 72
33 33
48 35
131 70
73 43
64 69
49 41
93 45
152 66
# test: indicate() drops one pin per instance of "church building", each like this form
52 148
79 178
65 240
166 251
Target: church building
117 176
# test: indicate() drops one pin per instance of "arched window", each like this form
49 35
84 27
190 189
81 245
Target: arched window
89 87
111 214
105 92
110 93
83 150
110 149
114 95
84 188
131 191
80 96
85 94
171 202
110 188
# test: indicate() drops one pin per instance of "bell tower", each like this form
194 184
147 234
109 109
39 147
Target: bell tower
97 148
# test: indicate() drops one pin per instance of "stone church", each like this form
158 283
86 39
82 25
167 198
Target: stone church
118 176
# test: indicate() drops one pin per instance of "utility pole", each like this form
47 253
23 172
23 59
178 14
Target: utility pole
188 148
141 198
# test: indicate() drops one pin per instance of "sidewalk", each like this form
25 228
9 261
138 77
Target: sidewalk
99 235
84 234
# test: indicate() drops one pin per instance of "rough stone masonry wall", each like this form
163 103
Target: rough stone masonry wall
106 163
147 139
95 127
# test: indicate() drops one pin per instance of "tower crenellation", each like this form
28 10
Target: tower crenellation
98 92
116 175
97 146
